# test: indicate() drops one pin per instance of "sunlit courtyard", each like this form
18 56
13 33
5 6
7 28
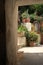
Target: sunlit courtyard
30 34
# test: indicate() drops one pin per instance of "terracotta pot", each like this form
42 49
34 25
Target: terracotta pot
26 20
23 20
32 44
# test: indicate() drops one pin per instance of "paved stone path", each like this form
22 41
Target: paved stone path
34 58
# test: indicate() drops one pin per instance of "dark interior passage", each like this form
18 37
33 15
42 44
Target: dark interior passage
2 33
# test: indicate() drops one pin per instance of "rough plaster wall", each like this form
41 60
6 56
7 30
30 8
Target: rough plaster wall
28 2
10 32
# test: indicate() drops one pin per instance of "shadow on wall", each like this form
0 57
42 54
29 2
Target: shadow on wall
2 33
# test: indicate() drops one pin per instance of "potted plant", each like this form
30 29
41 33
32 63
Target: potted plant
21 30
31 38
25 17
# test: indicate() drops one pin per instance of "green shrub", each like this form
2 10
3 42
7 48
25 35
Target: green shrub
31 36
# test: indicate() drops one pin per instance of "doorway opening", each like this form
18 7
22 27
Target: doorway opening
30 30
30 25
